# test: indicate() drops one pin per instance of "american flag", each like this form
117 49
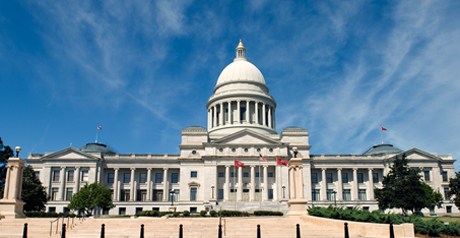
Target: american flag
261 158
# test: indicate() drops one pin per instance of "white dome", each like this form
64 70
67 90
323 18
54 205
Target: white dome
240 70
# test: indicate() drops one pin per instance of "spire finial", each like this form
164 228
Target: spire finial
240 44
240 52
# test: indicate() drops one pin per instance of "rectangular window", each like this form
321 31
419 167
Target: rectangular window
56 175
232 174
105 211
193 194
270 193
124 195
360 178
158 178
156 209
432 209
362 194
70 176
122 211
84 175
330 194
138 210
174 178
141 195
444 176
54 194
375 177
37 175
51 209
221 194
315 194
68 194
126 177
142 178
110 178
446 193
221 175
329 177
314 179
158 195
427 175
344 178
449 209
270 175
175 195
193 174
245 175
66 210
193 209
257 175
365 208
347 195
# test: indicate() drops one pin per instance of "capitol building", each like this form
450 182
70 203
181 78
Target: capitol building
241 130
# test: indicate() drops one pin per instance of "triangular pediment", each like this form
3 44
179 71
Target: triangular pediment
247 137
70 154
415 154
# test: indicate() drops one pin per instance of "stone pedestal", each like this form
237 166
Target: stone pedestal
297 203
172 209
11 205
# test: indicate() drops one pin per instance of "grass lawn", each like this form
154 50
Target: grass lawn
444 219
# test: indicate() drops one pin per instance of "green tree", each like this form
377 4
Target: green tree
33 192
5 153
404 189
454 189
91 196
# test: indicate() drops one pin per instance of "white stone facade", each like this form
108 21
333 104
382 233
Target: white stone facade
241 126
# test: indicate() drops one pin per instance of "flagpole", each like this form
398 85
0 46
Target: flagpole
278 182
381 132
234 192
97 130
260 190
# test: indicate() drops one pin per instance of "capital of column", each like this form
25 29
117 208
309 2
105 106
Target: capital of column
339 168
62 167
228 166
113 168
323 169
133 168
149 168
355 169
265 166
165 169
253 166
370 169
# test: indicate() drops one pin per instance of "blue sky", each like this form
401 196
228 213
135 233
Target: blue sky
144 70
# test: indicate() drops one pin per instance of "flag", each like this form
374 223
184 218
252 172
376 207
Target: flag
383 129
239 164
99 127
261 158
281 162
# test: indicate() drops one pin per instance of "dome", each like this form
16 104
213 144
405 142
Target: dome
240 71
98 148
383 149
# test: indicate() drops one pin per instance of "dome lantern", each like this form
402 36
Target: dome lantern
240 52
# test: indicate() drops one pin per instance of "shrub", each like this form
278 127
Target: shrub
228 213
453 229
186 213
203 213
267 213
175 214
213 213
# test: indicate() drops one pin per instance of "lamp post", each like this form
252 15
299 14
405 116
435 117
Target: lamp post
212 191
172 195
295 150
17 149
335 201
284 191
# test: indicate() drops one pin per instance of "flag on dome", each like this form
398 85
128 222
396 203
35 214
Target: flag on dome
281 162
99 127
383 129
263 159
239 164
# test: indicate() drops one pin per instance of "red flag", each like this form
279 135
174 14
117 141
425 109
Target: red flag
261 158
99 127
239 164
281 162
383 129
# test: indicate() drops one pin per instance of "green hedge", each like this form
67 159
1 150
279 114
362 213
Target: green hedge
267 213
50 214
228 213
432 227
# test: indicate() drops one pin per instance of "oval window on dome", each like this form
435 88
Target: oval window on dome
258 149
221 150
233 149
270 150
194 152
246 150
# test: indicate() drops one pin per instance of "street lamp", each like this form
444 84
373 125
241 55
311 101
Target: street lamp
295 150
212 192
335 201
284 191
17 149
171 194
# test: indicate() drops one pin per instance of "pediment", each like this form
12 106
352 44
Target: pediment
247 137
415 154
70 154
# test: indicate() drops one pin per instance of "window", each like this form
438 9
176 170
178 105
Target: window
270 175
344 178
105 211
141 195
330 194
110 178
84 175
138 210
446 193
221 175
66 210
426 173
444 176
221 194
346 195
126 177
122 211
51 209
193 194
449 209
193 174
314 179
142 178
270 193
232 174
70 176
257 175
56 176
174 196
245 175
365 208
174 178
360 178
158 195
193 209
432 209
68 194
158 178
375 177
329 177
54 194
362 194
125 195
37 175
315 194
156 209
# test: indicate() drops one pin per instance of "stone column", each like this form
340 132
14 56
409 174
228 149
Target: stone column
115 185
263 114
292 182
149 184
274 121
132 185
77 180
209 119
238 117
221 117
339 185
252 194
370 188
166 186
62 185
11 205
269 116
354 188
256 108
239 192
247 111
323 192
6 187
265 194
297 203
215 116
227 183
230 113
